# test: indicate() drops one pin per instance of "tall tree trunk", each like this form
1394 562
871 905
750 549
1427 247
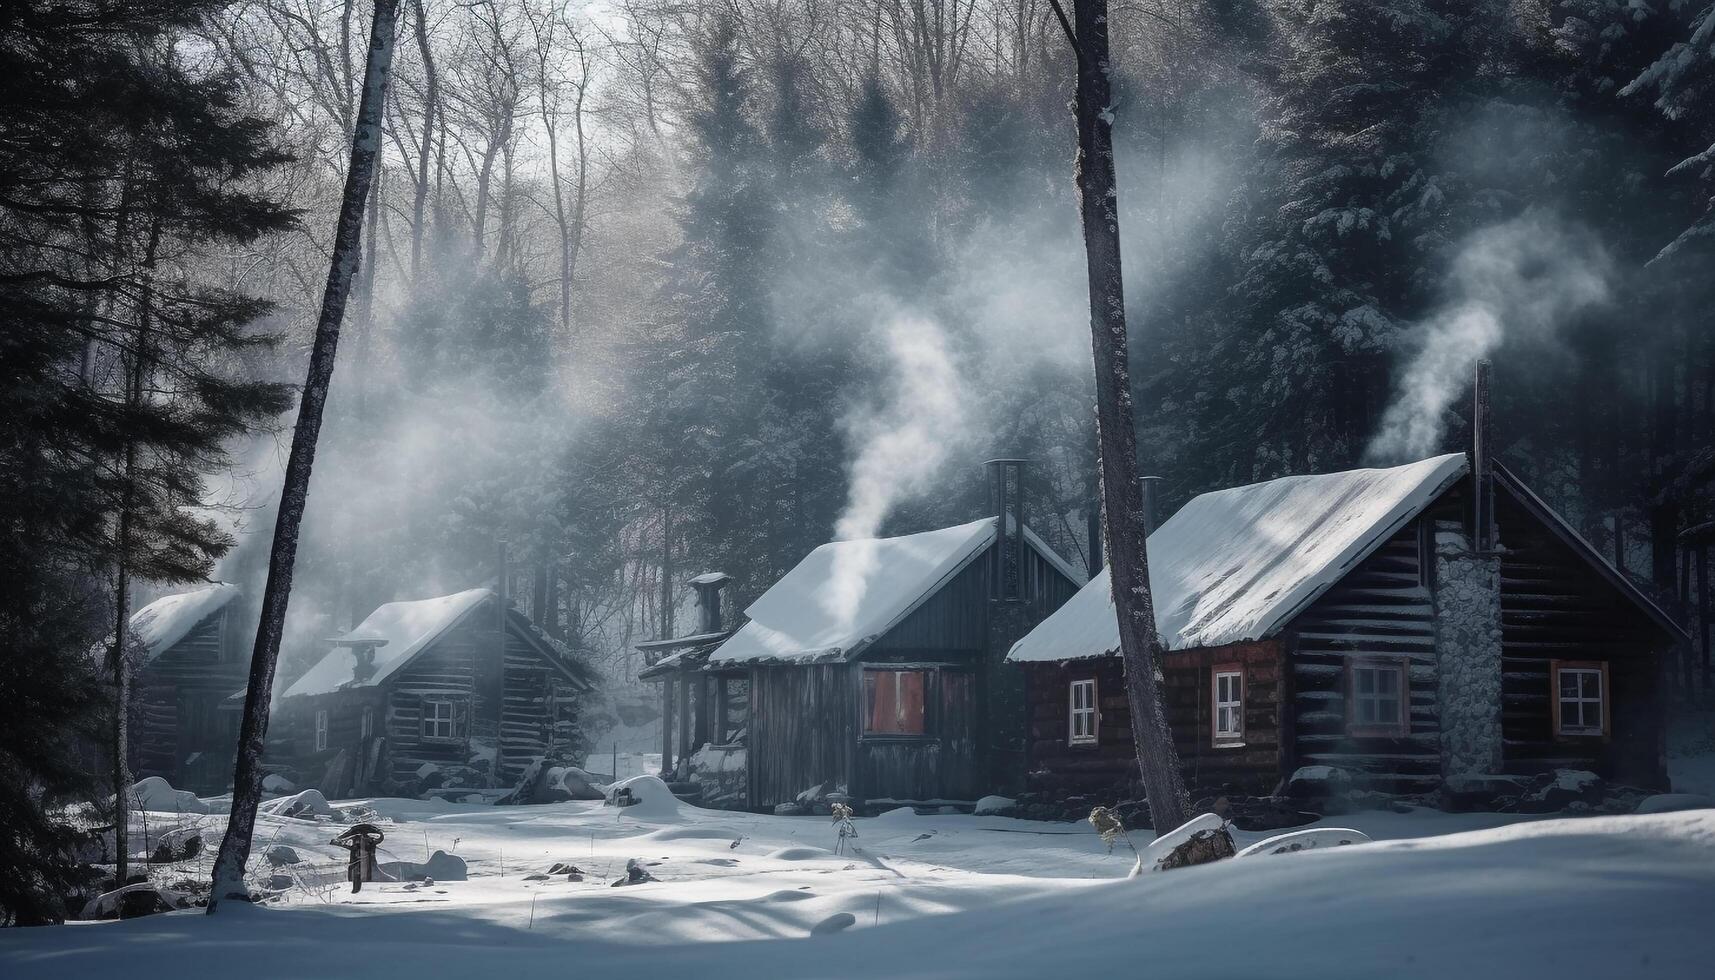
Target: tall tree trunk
247 780
431 94
1122 495
121 659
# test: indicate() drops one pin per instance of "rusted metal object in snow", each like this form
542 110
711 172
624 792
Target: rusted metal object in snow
361 840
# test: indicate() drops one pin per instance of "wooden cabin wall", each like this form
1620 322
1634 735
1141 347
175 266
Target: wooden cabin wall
1554 606
803 730
1105 770
175 709
1382 609
941 765
527 727
448 668
1252 767
338 769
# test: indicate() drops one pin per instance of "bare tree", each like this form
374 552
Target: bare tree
1123 524
365 148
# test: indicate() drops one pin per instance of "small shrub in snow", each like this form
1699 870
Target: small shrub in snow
843 825
1111 828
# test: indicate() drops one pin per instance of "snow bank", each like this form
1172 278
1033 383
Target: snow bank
649 795
1158 856
1234 564
994 804
1305 840
306 804
1674 803
157 795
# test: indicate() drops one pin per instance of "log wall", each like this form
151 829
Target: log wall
177 728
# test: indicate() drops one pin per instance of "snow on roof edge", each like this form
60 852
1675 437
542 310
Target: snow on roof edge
169 619
1085 627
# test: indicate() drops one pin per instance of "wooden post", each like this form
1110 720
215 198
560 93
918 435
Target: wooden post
666 725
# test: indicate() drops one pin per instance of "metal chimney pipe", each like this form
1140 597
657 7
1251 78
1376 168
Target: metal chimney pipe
1149 484
1482 464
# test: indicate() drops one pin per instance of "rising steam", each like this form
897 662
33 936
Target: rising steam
901 445
1519 280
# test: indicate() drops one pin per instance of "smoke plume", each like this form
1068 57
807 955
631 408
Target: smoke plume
1521 280
901 444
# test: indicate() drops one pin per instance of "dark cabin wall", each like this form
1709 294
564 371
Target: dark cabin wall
534 720
1554 606
1382 610
176 711
346 766
1255 765
1105 771
447 668
803 730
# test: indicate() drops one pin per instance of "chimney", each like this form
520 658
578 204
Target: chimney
1006 497
708 586
1148 485
1482 465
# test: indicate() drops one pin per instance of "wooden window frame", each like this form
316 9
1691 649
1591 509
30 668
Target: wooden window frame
321 738
1399 729
1598 667
427 723
366 722
1073 712
1218 738
931 691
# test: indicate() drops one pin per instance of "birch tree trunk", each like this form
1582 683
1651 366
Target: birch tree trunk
247 780
1124 531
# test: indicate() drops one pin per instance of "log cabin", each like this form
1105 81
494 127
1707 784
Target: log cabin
455 684
1408 625
872 671
193 653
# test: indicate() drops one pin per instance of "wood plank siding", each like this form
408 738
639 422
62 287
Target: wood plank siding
1382 611
178 728
1554 606
803 730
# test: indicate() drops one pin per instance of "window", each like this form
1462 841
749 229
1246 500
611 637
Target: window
1580 697
1228 688
1081 712
321 731
1378 704
368 726
441 718
893 702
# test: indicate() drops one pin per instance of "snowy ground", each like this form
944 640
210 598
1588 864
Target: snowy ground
942 896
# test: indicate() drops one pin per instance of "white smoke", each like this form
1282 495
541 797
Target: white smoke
901 445
1522 279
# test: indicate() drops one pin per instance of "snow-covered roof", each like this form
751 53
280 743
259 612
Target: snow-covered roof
1237 564
406 628
168 619
846 593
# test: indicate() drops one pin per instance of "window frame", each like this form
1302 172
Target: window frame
366 722
1604 699
428 723
930 692
1235 737
1402 670
1092 711
321 736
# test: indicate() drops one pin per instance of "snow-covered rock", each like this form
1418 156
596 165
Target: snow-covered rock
1563 788
157 795
178 844
1199 840
279 856
1305 840
306 805
643 796
441 866
990 805
276 783
134 900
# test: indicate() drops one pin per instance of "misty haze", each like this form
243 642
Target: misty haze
922 488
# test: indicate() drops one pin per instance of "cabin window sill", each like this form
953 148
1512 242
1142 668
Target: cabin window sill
1230 745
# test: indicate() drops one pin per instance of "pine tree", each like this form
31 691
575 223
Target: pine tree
122 170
